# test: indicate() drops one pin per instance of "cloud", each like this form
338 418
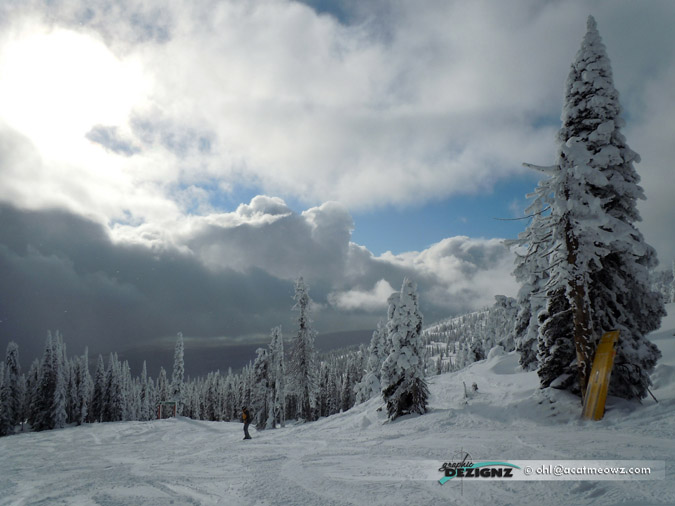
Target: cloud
381 104
368 300
228 278
110 138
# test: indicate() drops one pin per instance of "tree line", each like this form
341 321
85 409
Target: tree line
276 386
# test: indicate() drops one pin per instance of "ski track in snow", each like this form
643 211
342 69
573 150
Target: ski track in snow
357 457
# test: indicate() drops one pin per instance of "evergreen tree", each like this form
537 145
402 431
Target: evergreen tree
532 270
323 389
178 375
277 378
230 407
33 393
261 389
98 395
556 352
162 385
127 397
11 402
146 410
303 356
82 388
333 389
45 389
347 399
477 352
462 355
370 385
404 388
600 259
114 408
5 414
60 391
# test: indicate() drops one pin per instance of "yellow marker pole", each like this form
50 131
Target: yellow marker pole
598 381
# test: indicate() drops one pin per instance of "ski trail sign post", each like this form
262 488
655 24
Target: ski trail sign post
598 382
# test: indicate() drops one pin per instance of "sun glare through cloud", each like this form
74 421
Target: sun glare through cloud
56 85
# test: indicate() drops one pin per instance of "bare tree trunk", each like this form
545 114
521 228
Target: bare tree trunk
580 311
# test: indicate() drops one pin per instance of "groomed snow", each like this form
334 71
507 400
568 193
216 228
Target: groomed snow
356 457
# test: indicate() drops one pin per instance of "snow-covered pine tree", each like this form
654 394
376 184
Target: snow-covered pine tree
333 389
277 378
369 386
45 388
97 398
209 411
146 410
60 393
477 352
501 323
129 397
404 388
461 355
322 400
163 385
260 389
82 382
532 270
602 261
195 404
32 392
304 370
178 375
114 398
230 406
555 352
5 413
11 402
346 392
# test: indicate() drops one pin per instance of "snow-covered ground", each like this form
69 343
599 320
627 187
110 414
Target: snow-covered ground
355 457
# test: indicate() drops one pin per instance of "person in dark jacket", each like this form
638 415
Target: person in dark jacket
246 418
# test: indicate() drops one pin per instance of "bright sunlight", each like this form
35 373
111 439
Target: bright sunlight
56 85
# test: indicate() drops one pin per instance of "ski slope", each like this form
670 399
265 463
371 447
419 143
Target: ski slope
357 458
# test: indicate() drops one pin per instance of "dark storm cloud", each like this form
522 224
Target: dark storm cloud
59 271
224 279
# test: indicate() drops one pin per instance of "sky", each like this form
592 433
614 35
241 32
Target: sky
171 167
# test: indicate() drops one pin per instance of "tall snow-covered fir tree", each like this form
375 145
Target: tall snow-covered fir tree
404 388
45 388
96 410
277 379
370 386
261 390
60 394
81 387
147 410
5 414
303 356
163 387
600 260
11 391
178 374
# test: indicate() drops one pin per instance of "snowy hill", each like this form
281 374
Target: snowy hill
356 457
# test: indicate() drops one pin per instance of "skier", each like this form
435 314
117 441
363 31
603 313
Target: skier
246 418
